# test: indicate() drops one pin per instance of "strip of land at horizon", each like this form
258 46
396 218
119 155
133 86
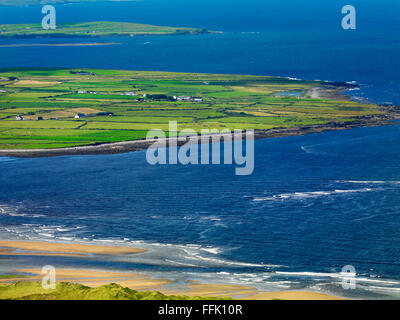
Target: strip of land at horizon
91 29
42 109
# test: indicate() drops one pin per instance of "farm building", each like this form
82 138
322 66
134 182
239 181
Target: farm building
130 93
186 98
109 114
183 98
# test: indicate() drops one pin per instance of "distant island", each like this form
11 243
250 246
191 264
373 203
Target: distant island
16 3
92 29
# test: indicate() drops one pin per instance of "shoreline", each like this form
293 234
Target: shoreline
111 35
95 278
88 44
140 145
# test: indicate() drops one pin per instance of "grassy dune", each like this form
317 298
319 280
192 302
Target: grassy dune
229 102
74 291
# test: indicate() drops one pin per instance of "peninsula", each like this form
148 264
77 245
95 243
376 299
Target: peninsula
86 111
92 29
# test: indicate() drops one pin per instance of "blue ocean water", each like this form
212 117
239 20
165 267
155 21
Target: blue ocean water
314 204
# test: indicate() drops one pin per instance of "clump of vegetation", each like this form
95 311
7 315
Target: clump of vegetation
74 291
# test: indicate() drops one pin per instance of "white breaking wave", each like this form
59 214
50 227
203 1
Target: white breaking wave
212 250
12 211
367 182
7 159
311 274
38 232
382 289
382 284
195 255
311 194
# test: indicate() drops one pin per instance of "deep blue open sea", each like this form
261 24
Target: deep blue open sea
314 204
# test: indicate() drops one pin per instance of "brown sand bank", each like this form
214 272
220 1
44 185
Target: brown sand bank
95 278
61 249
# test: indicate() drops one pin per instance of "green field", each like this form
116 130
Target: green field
228 102
90 29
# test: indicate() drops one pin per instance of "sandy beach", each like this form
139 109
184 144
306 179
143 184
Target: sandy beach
97 278
62 249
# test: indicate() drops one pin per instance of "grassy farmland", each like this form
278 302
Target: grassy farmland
124 105
90 29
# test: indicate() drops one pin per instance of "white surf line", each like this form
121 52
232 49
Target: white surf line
311 194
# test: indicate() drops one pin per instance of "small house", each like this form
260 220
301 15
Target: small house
82 73
108 114
183 98
19 118
79 116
